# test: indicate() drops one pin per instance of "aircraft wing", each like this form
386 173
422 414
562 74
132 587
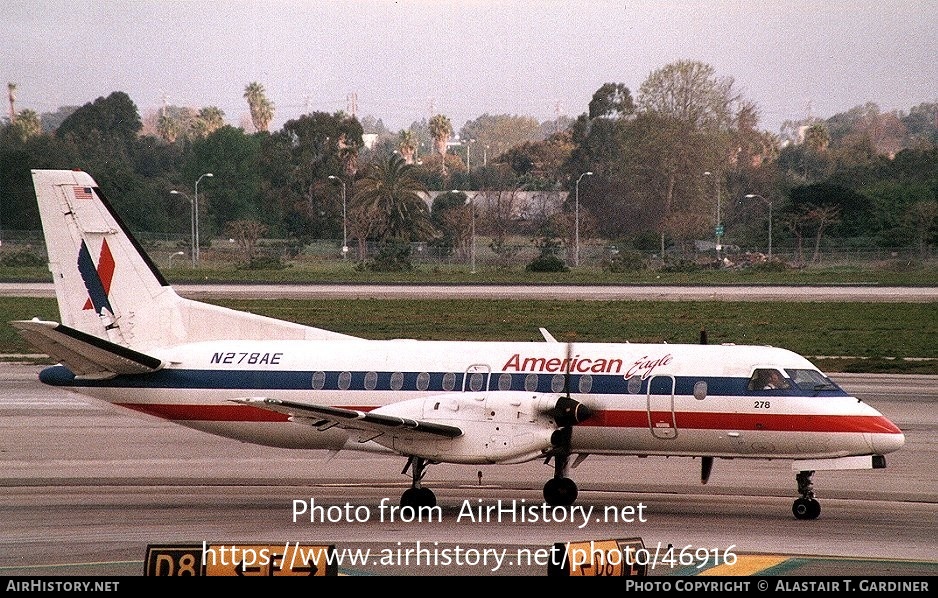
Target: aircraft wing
85 355
376 424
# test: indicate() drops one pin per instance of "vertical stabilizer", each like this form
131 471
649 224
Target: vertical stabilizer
108 287
99 272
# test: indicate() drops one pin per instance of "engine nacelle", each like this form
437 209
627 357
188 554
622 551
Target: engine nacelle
498 427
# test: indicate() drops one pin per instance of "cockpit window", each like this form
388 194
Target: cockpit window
768 379
811 380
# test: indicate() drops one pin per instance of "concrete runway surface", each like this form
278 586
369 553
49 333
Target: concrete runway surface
85 488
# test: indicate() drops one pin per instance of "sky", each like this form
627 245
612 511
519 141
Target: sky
406 60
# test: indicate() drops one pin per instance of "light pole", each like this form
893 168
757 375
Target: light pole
576 219
751 196
471 202
195 208
468 142
718 229
332 177
191 223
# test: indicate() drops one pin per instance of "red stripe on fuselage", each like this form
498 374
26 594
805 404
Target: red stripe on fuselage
870 424
213 413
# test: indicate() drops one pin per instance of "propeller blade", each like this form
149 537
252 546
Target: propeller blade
706 466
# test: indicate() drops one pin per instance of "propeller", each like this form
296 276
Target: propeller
706 466
706 463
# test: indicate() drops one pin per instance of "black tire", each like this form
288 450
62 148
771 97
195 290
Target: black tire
560 492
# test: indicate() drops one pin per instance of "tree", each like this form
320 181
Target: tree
246 233
817 138
207 121
11 96
495 134
613 101
26 125
690 92
390 190
440 130
114 117
262 109
407 144
921 217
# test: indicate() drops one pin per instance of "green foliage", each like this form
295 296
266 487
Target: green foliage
21 258
678 264
547 259
391 257
769 266
546 263
263 262
624 261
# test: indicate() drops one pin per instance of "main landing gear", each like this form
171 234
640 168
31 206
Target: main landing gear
417 496
806 507
560 491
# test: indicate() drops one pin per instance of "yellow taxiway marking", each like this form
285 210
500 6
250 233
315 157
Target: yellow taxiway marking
747 565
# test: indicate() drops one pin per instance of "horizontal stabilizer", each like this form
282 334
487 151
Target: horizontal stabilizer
85 355
350 419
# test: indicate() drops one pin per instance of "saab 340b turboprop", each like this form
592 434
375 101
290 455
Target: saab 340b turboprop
127 338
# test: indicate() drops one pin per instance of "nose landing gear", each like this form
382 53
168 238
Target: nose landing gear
806 507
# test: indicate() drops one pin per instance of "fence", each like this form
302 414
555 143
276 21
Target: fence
173 250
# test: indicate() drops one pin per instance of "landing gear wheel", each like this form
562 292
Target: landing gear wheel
560 492
418 497
806 508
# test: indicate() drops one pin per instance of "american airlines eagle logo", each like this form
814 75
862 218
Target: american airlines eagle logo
97 279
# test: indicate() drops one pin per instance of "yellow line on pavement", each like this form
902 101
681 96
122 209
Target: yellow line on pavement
747 565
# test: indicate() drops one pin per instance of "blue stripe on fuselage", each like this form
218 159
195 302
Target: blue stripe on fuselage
185 379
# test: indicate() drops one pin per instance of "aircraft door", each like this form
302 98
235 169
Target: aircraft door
476 378
661 419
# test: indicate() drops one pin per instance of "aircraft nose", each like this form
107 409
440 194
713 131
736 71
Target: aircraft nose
887 443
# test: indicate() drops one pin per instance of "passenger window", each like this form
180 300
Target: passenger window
423 381
371 380
504 382
558 382
397 381
475 381
319 380
635 384
449 381
586 383
345 380
768 379
530 383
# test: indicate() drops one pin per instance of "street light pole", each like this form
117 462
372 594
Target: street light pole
344 227
576 219
718 229
753 195
191 224
471 202
468 142
195 208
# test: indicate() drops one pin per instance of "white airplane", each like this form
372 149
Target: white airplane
127 338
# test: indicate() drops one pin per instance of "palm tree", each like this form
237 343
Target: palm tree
209 120
11 95
390 191
262 109
407 143
440 130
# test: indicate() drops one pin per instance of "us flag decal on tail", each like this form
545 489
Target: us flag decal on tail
82 192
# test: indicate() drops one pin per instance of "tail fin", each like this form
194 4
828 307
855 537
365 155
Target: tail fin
107 286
